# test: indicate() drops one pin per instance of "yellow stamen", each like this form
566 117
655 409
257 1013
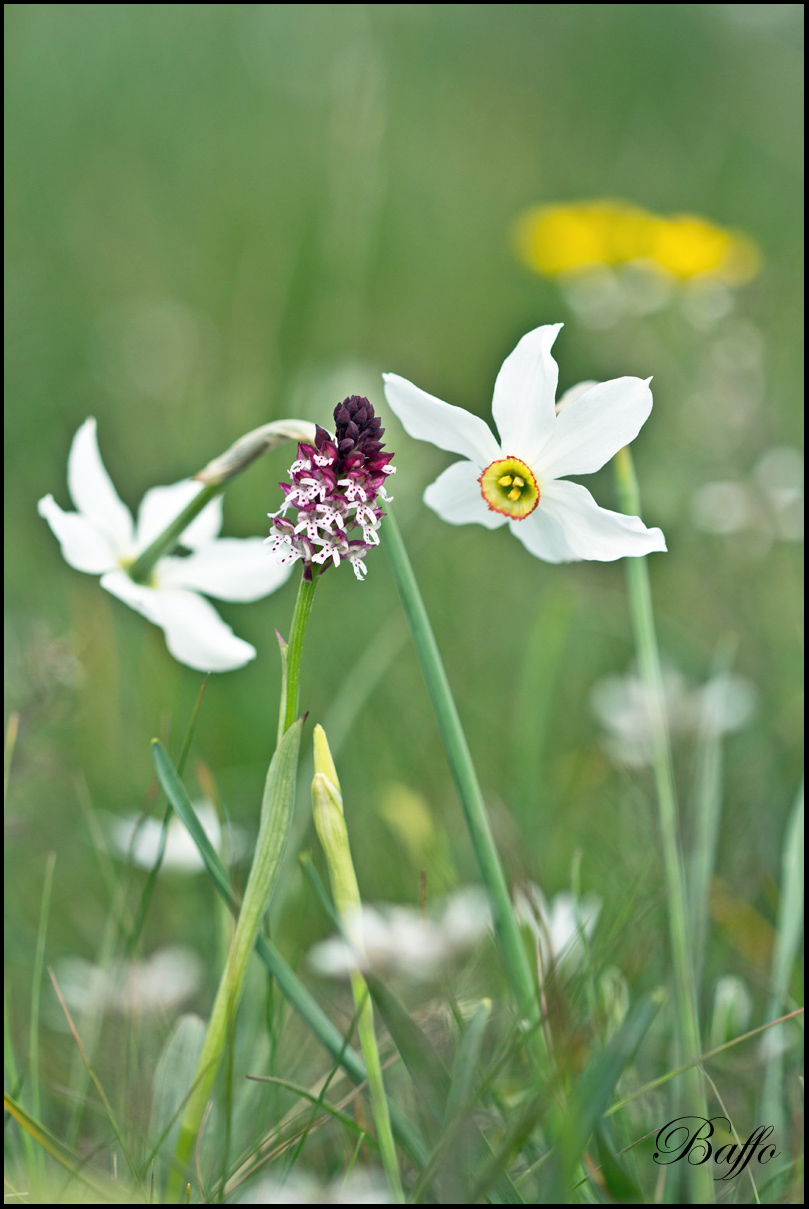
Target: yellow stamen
509 487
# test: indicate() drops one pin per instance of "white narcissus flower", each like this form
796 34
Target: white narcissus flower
140 839
159 983
101 538
399 940
627 711
518 480
562 928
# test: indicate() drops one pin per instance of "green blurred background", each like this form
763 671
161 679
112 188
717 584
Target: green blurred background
223 214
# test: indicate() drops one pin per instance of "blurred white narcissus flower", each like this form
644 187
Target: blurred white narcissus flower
398 940
732 1008
725 704
138 839
768 503
357 1188
518 481
102 539
560 929
161 982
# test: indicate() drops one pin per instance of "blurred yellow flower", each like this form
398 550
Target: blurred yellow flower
559 239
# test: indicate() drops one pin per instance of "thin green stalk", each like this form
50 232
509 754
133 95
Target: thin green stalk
787 944
214 477
167 540
330 824
36 987
648 655
151 881
706 818
13 1076
376 1086
276 812
286 980
513 951
278 798
292 656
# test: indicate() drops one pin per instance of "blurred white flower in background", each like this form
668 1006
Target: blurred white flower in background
101 538
562 927
768 504
732 1009
161 982
622 705
357 1188
399 940
137 838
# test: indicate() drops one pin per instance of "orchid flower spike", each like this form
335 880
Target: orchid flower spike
336 483
519 480
101 538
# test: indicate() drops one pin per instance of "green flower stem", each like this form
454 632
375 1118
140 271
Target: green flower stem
287 981
648 655
241 454
141 568
327 808
463 770
292 656
276 808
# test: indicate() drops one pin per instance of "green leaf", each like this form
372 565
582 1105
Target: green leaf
44 1138
173 1075
287 981
622 1187
466 1066
591 1095
421 1059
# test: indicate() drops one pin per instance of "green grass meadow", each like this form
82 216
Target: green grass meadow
222 215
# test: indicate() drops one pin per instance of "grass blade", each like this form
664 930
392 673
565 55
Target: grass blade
788 935
591 1095
36 988
51 1144
286 979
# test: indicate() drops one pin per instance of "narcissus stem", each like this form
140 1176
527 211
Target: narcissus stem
509 939
165 542
648 655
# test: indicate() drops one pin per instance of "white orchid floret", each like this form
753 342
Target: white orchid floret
519 480
562 928
101 538
400 941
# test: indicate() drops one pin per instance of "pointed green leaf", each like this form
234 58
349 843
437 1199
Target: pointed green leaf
287 981
422 1060
466 1067
591 1095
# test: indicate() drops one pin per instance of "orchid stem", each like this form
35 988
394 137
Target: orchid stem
165 542
507 931
279 794
214 477
648 655
294 651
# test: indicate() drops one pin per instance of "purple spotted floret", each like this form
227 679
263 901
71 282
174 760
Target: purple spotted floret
334 488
